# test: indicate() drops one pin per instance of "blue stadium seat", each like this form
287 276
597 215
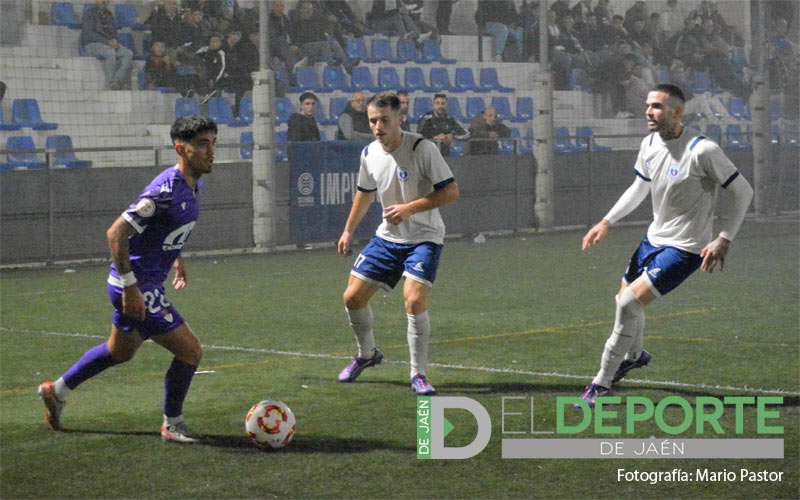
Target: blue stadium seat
283 110
281 140
775 134
307 79
25 113
464 81
21 153
489 81
414 79
585 136
336 107
432 52
701 83
125 16
246 110
63 14
524 146
361 79
126 40
735 139
406 51
7 126
319 115
503 107
333 79
185 70
524 110
246 145
63 153
186 106
388 79
475 106
440 80
220 111
737 108
564 144
381 51
738 57
714 132
505 147
454 109
663 75
355 48
422 105
457 149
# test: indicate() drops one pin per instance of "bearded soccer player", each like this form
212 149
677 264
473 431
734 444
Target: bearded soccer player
683 172
411 180
145 243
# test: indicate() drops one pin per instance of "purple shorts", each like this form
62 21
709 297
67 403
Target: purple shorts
160 316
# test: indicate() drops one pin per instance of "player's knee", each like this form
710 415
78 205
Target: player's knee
352 300
415 303
122 355
628 304
196 354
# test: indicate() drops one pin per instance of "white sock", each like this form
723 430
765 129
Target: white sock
630 314
173 420
361 323
638 342
61 389
419 333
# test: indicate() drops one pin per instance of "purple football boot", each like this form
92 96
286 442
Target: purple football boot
421 386
354 369
628 365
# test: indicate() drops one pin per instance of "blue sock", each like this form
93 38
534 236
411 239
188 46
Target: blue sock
176 386
94 361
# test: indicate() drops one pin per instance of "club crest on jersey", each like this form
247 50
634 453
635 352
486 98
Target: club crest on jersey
402 174
146 207
674 170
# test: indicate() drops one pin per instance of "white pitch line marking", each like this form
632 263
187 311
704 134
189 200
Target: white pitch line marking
485 369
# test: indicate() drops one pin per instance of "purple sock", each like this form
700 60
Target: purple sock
176 386
95 360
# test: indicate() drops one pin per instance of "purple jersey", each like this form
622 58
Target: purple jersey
163 217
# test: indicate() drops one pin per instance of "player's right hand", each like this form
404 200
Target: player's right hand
133 303
595 235
344 244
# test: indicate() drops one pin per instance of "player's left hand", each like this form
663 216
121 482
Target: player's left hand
396 214
181 280
714 252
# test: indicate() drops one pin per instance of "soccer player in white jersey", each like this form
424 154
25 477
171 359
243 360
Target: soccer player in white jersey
683 172
411 180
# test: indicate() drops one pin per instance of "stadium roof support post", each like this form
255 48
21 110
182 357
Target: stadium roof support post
764 183
264 175
543 130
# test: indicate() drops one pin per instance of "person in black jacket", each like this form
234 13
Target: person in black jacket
485 130
439 127
501 20
303 125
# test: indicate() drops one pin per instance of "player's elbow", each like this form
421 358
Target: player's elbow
452 192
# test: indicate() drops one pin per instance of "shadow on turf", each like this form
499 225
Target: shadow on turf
540 389
301 444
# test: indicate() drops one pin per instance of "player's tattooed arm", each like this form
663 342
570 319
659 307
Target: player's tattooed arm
117 235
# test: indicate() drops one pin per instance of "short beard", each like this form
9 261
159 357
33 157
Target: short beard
671 132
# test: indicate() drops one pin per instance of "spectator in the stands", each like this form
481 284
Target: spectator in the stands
166 25
560 8
672 17
439 127
353 122
194 32
159 70
635 86
615 31
405 105
782 53
639 33
99 39
590 34
501 20
444 8
604 12
240 59
529 17
280 43
303 125
345 17
215 67
308 30
580 10
636 12
485 130
391 18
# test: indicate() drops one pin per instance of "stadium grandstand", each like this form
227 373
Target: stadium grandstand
97 106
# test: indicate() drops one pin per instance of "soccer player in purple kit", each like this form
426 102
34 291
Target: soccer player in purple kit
145 243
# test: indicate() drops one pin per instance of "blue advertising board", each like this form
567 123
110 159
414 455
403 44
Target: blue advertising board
322 182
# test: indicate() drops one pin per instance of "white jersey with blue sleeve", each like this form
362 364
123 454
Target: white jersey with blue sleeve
685 175
412 171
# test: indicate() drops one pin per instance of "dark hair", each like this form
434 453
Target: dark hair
384 100
308 95
672 90
443 96
186 129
